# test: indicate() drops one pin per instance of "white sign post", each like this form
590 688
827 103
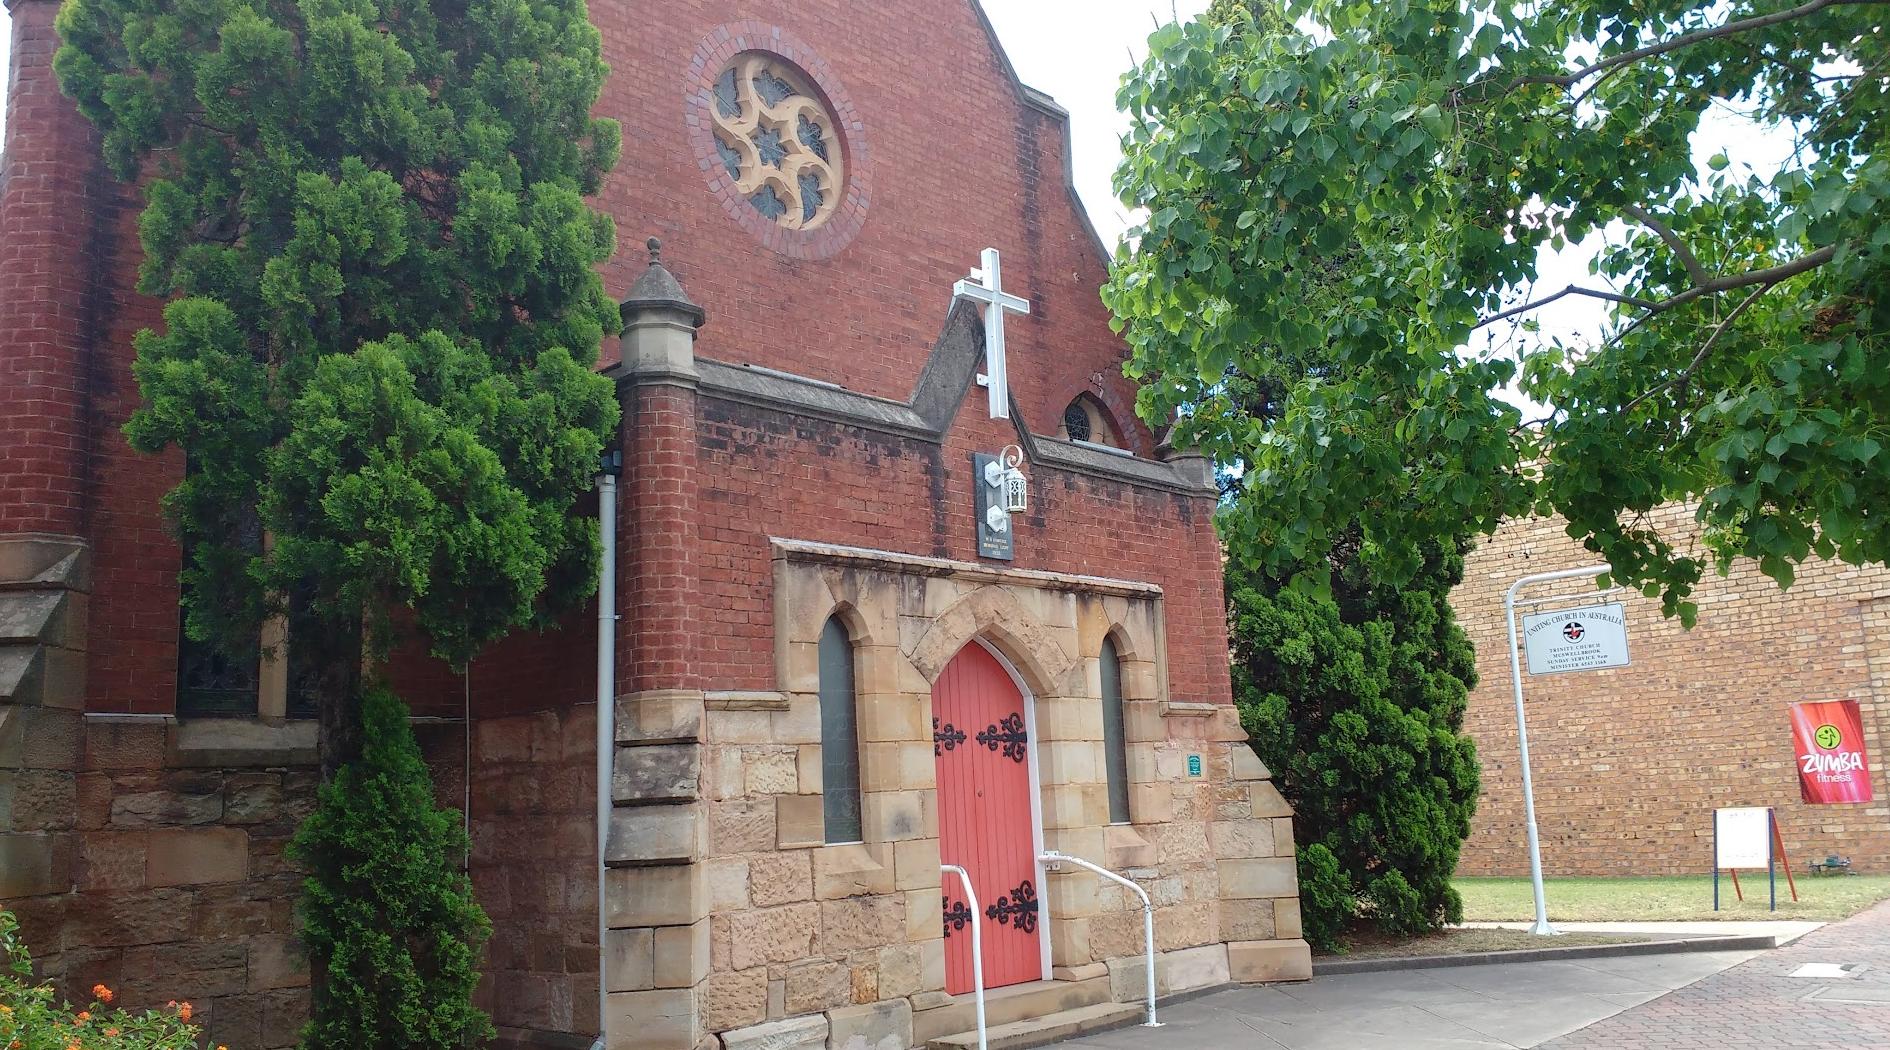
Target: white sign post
1585 639
1541 925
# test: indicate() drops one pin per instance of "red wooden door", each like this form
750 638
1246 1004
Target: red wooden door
984 820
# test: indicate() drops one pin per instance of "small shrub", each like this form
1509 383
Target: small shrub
388 914
1396 907
1327 901
32 1019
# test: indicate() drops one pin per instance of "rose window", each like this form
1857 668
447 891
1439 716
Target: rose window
777 141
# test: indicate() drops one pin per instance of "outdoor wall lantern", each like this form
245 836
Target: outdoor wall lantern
1013 488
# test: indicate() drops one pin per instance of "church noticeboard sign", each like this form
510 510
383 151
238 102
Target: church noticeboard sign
1584 639
1828 739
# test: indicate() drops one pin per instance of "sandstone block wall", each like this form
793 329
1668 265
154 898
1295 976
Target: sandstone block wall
175 885
534 869
1630 763
732 915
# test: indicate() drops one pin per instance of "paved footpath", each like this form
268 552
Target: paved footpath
1694 1001
1499 1006
1757 1005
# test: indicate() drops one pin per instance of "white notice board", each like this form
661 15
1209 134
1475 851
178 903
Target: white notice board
1742 838
1584 639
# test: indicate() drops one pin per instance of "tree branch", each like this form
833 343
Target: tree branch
1743 25
1695 271
1769 276
1593 293
1686 374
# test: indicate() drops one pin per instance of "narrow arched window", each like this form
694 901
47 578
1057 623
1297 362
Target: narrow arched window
1085 420
839 735
1115 746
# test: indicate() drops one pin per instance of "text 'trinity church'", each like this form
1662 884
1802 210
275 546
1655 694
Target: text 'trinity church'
901 583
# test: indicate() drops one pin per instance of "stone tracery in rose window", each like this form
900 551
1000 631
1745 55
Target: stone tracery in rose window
777 142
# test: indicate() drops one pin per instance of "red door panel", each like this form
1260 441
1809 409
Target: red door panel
984 820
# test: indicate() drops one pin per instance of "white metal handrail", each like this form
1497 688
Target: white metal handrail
1148 917
977 944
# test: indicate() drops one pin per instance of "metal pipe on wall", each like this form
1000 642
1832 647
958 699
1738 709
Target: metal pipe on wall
606 719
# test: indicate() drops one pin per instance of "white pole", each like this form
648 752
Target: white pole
1541 926
977 945
1148 917
606 730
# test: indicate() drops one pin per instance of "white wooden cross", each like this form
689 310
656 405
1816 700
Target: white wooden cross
986 286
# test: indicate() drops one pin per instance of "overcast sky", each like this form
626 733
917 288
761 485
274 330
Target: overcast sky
1076 50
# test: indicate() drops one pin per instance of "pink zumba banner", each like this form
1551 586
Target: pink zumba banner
1829 737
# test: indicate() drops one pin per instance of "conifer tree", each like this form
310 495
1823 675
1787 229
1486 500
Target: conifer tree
367 218
1354 698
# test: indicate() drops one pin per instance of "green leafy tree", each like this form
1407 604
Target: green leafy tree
368 219
1355 698
387 914
1369 185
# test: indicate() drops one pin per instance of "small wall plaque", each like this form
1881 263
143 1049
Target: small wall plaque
994 522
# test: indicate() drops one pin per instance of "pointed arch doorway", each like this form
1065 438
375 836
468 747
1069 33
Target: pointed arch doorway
982 726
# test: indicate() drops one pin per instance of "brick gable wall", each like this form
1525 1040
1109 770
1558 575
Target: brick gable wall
959 163
766 474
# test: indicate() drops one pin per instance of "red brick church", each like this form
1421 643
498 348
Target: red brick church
890 593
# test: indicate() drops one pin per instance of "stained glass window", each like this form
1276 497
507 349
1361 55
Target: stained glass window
811 197
768 202
726 102
1076 422
775 138
768 147
812 137
772 88
1115 747
839 735
731 159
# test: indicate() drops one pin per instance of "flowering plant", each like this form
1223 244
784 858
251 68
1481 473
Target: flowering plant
30 1018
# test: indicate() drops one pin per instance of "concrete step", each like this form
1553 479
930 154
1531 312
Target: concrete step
1041 1031
1013 1003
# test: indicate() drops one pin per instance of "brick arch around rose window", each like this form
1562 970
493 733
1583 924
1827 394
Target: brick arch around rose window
719 48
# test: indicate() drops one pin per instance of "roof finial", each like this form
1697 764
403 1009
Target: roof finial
658 288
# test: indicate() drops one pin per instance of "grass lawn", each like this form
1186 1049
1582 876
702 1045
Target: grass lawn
1463 942
1670 899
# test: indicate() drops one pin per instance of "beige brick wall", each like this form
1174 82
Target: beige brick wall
1629 763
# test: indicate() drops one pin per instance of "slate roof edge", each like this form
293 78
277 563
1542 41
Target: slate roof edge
940 392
